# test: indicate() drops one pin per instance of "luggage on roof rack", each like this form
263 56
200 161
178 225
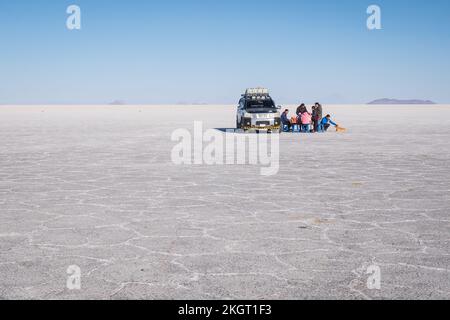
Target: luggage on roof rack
257 92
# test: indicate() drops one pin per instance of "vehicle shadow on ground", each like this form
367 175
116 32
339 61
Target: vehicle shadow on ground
240 131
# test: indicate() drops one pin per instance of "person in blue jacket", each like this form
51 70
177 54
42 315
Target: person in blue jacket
326 123
285 119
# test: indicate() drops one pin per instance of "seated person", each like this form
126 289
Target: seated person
326 122
285 119
306 121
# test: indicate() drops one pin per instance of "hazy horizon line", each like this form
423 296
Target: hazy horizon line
120 102
200 104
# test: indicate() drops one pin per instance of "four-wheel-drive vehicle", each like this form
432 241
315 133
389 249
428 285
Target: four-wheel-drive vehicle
257 111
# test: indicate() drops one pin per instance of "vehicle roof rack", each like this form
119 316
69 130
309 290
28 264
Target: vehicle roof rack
257 93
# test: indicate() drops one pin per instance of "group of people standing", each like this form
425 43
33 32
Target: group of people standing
308 121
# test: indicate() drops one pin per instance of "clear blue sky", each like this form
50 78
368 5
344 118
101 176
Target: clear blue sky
171 51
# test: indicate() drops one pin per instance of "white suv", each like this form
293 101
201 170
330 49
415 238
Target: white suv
257 111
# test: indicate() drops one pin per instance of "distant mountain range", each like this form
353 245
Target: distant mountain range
117 103
397 101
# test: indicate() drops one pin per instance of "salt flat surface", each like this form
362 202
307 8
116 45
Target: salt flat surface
95 187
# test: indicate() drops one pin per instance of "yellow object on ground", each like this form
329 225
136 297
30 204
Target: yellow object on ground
340 129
